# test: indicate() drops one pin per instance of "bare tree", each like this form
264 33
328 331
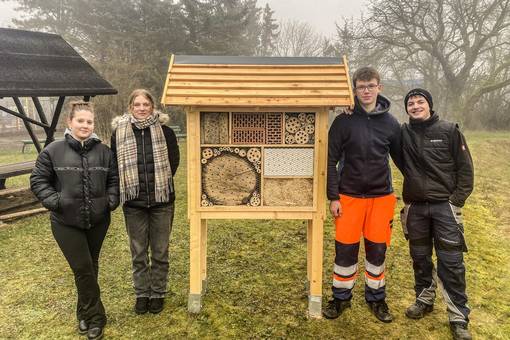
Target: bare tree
298 39
456 47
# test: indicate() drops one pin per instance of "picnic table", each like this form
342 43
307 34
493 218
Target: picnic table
15 169
28 142
178 132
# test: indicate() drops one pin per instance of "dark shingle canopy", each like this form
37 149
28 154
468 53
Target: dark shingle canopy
44 65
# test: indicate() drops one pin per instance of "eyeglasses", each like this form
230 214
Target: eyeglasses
370 88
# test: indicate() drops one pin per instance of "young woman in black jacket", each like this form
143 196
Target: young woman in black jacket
76 179
148 156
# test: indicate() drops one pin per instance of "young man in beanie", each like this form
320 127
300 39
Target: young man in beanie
361 196
438 178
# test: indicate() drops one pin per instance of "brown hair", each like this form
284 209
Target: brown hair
79 105
366 73
140 92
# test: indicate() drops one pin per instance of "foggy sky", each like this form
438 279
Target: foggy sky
321 14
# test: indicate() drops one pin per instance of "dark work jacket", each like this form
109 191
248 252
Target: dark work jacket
437 162
145 158
362 142
77 183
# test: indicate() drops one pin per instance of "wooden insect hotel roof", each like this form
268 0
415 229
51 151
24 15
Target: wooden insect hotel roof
257 81
43 65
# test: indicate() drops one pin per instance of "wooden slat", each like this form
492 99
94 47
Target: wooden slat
15 169
13 216
257 78
257 85
271 71
251 101
244 66
241 93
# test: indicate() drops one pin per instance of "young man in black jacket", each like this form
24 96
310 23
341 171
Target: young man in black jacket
362 199
438 178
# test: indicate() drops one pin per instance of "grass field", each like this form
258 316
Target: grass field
257 271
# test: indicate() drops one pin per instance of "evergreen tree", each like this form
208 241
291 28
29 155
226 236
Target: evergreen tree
269 32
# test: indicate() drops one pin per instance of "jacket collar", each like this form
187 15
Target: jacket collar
416 123
382 106
78 146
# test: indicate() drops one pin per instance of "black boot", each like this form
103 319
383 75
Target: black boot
381 311
335 308
460 331
156 305
418 310
95 333
142 305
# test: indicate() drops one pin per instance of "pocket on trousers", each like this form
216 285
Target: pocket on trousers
404 212
457 215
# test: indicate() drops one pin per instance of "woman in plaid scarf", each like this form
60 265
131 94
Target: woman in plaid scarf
148 156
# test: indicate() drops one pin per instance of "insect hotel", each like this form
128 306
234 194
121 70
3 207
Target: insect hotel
257 146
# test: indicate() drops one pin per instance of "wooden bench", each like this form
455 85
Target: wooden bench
178 132
15 169
28 142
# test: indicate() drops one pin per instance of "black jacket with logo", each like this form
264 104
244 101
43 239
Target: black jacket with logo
77 183
437 163
362 143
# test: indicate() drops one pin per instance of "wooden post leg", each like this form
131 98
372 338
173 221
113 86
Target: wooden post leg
315 296
203 258
195 272
309 241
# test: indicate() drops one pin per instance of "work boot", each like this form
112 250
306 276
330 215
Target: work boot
381 311
460 331
418 310
335 308
142 305
95 333
82 327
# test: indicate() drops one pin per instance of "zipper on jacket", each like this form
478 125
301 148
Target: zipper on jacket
145 171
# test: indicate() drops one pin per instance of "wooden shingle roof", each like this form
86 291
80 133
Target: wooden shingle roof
257 81
43 64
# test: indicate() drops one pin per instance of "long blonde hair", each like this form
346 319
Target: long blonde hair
140 92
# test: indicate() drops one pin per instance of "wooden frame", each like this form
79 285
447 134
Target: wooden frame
203 88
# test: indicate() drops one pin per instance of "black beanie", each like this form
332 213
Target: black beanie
419 92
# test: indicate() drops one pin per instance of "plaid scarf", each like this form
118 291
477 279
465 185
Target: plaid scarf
127 158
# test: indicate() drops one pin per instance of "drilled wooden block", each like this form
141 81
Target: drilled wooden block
231 176
299 128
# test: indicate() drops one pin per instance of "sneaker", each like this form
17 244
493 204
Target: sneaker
418 310
381 310
142 305
82 327
156 305
335 308
460 331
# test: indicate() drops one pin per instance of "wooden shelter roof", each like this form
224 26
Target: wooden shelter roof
42 64
257 81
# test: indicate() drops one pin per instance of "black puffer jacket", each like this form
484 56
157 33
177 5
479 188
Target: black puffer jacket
146 178
361 142
77 183
437 162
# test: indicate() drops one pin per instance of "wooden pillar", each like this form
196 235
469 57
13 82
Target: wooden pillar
198 226
316 225
203 254
195 274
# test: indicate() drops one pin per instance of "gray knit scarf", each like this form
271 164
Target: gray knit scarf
127 158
